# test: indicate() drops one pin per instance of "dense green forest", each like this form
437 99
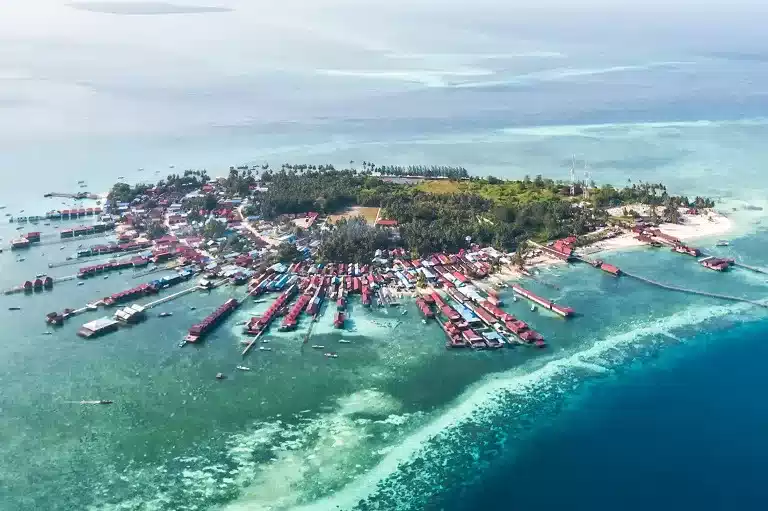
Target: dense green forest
353 240
434 215
442 215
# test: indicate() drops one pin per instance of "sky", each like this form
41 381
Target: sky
130 68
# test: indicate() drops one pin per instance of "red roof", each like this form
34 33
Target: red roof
386 223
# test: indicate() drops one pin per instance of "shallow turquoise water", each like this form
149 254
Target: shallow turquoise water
300 426
396 422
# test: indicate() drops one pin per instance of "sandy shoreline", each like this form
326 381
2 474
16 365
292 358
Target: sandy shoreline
707 224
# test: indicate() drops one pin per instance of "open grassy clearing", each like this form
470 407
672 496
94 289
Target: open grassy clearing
370 214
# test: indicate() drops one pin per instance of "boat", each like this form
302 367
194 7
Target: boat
722 243
342 341
331 355
243 368
182 344
264 348
97 402
533 307
318 346
47 333
165 314
14 308
220 376
403 313
81 283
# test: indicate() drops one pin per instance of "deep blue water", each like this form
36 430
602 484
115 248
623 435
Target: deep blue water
684 431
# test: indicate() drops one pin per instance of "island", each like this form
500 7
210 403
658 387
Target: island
314 236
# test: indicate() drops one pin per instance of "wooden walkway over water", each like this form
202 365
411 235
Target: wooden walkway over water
681 289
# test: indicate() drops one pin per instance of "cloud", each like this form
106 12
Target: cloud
145 8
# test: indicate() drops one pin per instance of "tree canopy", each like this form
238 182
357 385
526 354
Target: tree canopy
287 252
353 240
491 211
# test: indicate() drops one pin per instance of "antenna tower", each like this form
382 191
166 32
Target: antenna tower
586 181
573 176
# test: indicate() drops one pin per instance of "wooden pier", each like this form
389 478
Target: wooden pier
742 265
681 289
258 336
173 296
694 291
311 327
78 195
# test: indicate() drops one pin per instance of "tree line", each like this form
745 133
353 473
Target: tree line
428 222
370 168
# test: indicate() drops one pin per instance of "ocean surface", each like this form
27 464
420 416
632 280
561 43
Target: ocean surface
648 398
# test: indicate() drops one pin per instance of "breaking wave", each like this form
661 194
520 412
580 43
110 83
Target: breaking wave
428 460
456 78
365 450
274 465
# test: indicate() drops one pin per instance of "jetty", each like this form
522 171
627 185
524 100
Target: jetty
258 325
681 289
77 195
741 265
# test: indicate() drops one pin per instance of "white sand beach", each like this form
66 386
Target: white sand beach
707 223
